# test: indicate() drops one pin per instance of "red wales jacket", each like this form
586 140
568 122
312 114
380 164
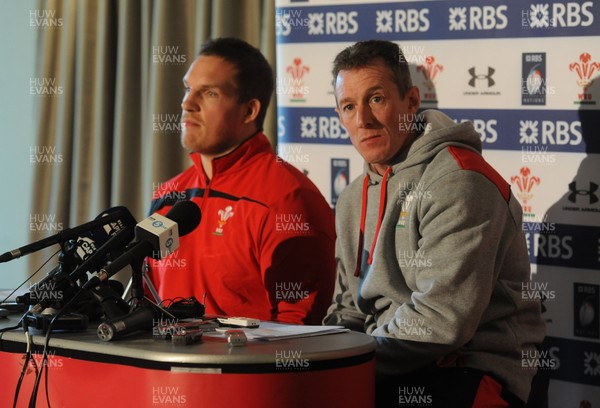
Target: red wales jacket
265 244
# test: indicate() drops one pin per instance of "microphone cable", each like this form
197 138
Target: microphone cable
28 338
27 359
44 363
28 279
82 290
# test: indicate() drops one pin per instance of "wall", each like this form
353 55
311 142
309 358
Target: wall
17 132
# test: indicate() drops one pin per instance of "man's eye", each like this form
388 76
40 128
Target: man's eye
376 99
348 108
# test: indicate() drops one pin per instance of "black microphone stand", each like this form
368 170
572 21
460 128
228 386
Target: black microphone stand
137 280
143 314
71 280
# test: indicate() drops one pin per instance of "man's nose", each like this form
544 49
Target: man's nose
364 116
188 103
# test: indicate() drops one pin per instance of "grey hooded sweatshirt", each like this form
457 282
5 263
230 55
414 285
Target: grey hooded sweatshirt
441 280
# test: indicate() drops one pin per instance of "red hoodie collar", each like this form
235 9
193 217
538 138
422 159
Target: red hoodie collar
236 159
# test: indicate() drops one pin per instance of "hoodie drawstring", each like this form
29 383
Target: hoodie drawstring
363 219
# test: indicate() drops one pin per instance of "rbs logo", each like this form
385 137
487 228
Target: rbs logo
322 127
569 14
486 129
402 21
478 18
550 245
332 23
550 133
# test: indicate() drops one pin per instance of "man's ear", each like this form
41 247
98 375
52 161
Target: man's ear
252 110
337 106
337 110
414 99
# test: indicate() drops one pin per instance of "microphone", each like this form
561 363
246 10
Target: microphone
88 244
59 284
141 318
111 229
101 228
157 236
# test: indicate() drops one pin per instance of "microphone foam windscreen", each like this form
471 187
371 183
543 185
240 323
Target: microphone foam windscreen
187 216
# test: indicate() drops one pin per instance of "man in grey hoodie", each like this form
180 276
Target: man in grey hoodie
431 255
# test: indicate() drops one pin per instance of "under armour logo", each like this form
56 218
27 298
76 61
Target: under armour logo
475 77
575 192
